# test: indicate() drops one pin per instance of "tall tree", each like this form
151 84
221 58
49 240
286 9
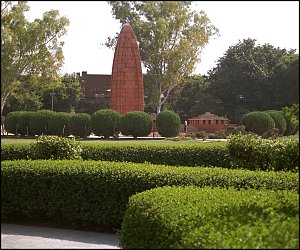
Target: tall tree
193 99
29 50
243 79
65 97
171 37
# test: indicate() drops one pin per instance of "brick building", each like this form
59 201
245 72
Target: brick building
208 122
96 92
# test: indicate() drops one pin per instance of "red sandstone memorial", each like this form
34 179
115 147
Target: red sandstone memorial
127 88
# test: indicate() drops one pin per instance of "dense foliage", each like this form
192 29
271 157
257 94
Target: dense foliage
253 77
31 52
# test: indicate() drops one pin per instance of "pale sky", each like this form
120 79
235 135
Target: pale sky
91 22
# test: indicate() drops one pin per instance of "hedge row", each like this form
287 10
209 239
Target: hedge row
157 154
211 218
92 195
253 152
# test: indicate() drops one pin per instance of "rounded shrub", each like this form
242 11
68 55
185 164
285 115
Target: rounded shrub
105 122
11 122
257 122
136 123
279 120
58 124
56 147
80 124
24 119
168 123
38 123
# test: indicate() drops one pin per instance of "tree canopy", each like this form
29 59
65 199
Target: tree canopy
31 52
253 77
171 37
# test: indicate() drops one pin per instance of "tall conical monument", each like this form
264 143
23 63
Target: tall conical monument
127 88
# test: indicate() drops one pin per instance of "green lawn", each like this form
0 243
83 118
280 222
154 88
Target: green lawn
123 141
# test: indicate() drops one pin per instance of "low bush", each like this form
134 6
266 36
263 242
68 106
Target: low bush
92 195
241 129
56 147
253 152
211 218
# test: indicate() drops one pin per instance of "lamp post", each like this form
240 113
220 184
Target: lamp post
52 99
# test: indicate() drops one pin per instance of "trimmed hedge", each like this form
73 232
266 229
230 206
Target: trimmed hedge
58 124
92 195
279 119
79 125
136 123
38 123
258 122
253 152
168 123
211 218
11 122
105 122
191 156
24 118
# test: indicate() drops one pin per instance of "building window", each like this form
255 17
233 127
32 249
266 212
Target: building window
203 121
209 121
217 121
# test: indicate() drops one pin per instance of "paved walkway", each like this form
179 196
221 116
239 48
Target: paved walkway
25 237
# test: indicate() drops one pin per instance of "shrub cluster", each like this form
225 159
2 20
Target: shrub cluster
55 147
253 152
211 218
93 194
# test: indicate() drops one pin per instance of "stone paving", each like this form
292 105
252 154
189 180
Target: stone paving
31 237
